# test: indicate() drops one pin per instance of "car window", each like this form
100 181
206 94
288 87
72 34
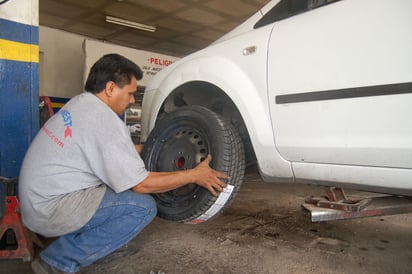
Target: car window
287 8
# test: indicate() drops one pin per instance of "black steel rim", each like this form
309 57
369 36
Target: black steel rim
180 149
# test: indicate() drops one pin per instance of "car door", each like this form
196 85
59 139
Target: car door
340 82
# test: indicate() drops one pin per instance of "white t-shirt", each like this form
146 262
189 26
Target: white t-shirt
79 151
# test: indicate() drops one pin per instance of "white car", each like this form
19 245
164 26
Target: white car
315 91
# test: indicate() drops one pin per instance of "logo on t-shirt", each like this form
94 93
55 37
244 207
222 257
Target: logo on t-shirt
67 120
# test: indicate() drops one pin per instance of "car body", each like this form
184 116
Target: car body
320 91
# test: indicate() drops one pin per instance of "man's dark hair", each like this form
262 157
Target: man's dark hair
111 67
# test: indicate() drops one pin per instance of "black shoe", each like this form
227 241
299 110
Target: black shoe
41 267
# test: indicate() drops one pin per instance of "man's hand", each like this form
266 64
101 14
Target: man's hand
209 178
202 174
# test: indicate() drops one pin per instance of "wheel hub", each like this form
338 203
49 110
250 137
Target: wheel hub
181 151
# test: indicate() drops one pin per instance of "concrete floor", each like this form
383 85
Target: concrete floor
265 231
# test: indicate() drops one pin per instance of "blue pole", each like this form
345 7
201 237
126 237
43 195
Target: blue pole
19 93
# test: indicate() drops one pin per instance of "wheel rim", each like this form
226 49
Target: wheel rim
180 149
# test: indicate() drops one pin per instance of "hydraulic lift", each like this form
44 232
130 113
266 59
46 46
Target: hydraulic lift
336 206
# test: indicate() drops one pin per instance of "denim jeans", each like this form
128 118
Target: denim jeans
119 218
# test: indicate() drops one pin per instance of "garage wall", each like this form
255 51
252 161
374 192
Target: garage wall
61 63
66 58
149 62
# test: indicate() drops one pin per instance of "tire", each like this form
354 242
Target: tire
180 141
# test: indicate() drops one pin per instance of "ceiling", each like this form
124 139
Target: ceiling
183 26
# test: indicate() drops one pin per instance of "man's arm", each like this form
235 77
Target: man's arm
202 175
139 148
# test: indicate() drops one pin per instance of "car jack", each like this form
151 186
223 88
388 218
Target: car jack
336 206
16 241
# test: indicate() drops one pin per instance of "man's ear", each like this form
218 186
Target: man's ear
109 88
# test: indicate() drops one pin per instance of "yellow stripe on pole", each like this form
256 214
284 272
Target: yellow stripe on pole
15 51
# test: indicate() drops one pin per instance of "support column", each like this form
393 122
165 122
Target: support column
19 81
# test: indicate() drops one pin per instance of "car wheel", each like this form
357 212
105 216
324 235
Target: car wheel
180 141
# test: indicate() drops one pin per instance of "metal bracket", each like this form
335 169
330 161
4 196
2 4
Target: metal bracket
336 206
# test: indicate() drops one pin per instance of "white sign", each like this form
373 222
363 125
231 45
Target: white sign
149 62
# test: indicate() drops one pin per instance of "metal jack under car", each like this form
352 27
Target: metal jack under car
336 206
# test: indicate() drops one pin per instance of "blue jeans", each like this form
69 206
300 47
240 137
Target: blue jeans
119 218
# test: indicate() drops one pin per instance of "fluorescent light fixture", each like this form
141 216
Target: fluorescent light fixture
130 24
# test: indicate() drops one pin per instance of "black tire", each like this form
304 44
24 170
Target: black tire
181 140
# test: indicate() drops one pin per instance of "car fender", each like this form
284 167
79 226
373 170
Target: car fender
227 76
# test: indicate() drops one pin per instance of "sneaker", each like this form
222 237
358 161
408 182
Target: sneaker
41 267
